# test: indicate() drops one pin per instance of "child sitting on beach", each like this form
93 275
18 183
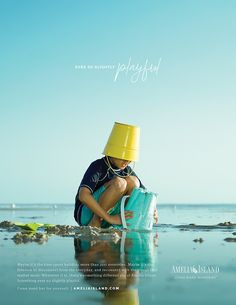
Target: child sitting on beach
108 179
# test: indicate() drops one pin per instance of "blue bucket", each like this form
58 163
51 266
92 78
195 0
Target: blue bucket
139 249
143 204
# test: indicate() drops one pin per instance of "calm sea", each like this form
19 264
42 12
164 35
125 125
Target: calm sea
169 266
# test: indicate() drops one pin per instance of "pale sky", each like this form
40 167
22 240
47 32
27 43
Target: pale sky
55 118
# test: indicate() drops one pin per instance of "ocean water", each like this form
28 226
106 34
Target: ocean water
165 266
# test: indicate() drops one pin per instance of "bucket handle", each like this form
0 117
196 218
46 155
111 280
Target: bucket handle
122 211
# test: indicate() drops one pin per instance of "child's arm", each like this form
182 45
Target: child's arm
86 198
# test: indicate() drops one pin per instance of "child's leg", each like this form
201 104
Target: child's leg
132 182
115 189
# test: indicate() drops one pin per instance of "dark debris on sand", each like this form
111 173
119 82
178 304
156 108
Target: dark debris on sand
198 240
93 233
230 239
6 224
192 226
227 224
84 233
24 238
62 230
9 226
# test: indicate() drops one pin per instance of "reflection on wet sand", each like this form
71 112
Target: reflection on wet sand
113 267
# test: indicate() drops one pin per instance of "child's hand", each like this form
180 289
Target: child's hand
95 222
116 219
155 216
129 214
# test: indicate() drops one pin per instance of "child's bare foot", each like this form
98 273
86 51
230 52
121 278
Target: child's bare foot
95 222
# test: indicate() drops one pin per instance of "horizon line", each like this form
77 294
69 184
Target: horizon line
71 203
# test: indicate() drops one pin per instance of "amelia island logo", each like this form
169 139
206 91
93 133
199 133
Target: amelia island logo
195 271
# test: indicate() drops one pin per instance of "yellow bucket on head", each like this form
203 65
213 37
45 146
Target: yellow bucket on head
123 142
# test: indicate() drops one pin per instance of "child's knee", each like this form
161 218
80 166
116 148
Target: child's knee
132 182
120 184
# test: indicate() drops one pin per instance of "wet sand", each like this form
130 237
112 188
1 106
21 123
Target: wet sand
42 235
189 258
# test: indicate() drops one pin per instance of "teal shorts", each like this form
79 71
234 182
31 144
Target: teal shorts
87 215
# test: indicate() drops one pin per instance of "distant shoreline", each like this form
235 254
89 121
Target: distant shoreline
66 206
